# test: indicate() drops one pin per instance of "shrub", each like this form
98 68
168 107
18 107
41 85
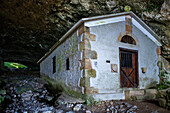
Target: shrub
163 81
2 99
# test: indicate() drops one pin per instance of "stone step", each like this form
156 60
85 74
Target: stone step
109 96
143 97
109 91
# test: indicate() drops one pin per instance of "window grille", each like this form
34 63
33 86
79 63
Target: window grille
126 60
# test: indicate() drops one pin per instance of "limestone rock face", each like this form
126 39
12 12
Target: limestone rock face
166 7
29 28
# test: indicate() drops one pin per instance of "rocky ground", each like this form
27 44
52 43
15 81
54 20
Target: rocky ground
26 93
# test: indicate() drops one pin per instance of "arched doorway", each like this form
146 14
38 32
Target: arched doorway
128 64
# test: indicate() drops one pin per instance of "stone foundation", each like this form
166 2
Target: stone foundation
143 94
164 98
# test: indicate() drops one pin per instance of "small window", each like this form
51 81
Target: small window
128 39
54 64
67 64
107 61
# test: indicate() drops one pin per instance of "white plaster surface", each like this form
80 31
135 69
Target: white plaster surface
68 49
107 48
121 19
104 21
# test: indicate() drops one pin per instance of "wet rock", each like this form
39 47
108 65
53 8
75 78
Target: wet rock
64 99
59 111
133 108
114 111
70 112
121 106
47 112
165 9
117 106
41 96
26 95
122 110
111 103
162 102
111 108
44 109
111 4
35 94
88 111
77 107
70 105
49 98
60 102
74 1
155 111
107 109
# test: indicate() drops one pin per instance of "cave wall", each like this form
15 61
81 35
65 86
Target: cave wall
29 28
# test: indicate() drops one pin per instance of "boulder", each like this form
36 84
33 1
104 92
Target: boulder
162 102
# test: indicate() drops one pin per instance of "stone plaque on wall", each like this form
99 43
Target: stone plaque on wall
114 68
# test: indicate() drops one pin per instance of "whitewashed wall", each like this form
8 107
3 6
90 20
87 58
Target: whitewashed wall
107 48
68 49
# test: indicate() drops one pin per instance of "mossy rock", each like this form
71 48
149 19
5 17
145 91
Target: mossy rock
58 87
24 88
162 102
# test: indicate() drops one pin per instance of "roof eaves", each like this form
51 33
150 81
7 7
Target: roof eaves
96 18
146 27
75 27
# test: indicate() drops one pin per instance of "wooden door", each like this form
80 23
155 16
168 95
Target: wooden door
128 68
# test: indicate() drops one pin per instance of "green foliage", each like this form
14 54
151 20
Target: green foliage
2 99
163 74
164 84
3 92
89 100
97 102
14 65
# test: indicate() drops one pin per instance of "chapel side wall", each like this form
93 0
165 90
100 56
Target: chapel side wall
68 49
107 47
